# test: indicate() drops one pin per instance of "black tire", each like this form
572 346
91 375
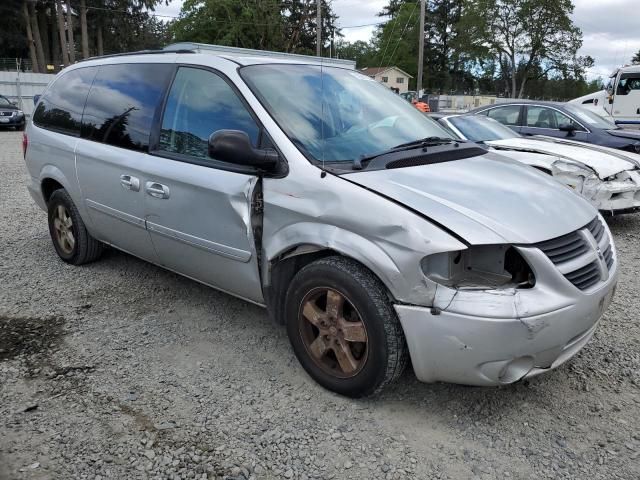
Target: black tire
386 348
85 248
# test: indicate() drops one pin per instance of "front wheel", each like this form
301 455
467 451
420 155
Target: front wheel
343 328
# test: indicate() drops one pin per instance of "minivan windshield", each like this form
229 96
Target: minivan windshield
481 129
335 114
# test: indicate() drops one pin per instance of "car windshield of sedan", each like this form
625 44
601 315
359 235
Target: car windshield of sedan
481 129
592 119
334 114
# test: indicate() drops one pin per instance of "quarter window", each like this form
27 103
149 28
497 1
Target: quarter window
122 104
507 115
60 109
199 104
542 117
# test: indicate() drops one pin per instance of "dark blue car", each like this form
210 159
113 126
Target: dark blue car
562 120
11 115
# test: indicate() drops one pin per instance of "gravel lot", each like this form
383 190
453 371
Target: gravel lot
120 369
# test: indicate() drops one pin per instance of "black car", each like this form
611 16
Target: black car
562 120
10 114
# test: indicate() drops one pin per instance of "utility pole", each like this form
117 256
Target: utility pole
319 28
421 47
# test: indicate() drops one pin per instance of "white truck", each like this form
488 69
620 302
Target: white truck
620 97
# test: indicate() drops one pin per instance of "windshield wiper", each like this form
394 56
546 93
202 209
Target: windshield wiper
421 143
426 142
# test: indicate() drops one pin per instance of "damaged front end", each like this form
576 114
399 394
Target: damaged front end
618 193
501 313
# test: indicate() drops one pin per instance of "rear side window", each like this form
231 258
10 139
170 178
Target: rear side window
122 104
199 104
507 115
60 108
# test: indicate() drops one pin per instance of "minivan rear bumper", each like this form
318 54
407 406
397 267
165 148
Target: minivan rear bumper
485 351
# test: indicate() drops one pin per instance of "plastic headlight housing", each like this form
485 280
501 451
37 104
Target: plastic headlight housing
479 267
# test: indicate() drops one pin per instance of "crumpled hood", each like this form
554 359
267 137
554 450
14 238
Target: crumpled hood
604 161
485 199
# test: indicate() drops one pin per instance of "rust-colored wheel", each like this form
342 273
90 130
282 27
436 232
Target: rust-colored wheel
333 332
343 327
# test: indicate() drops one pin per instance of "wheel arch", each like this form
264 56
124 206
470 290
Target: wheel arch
283 260
51 179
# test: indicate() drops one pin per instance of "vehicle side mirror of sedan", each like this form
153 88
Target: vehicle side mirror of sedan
567 127
234 146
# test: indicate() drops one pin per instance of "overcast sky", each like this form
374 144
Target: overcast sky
610 27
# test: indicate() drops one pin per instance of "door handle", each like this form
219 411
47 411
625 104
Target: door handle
130 183
157 190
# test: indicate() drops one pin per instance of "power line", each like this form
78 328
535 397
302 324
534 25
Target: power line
402 34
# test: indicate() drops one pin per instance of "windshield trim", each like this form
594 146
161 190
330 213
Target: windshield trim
336 166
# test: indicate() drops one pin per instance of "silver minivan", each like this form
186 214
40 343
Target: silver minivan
319 194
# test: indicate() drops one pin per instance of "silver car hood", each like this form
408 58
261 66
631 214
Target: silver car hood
484 200
604 161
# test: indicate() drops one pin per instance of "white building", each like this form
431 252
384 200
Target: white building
392 77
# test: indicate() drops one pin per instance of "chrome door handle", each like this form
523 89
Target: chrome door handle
157 190
130 183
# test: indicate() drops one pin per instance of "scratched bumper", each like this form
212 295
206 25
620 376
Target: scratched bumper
476 349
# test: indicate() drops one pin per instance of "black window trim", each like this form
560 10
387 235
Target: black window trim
53 83
154 140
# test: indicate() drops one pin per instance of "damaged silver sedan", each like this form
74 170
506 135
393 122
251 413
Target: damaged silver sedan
608 178
319 194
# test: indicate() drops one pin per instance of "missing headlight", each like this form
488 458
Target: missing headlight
479 267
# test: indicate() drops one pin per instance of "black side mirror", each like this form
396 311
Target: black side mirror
567 127
234 146
36 97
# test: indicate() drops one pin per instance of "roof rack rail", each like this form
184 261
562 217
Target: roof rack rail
248 52
139 52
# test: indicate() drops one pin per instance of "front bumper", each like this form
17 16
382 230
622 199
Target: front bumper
481 338
13 121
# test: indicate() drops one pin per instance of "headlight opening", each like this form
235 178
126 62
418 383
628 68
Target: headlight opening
479 267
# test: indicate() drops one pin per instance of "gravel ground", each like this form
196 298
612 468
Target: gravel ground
120 369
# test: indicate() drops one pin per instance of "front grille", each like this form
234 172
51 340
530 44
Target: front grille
576 257
596 228
565 248
585 277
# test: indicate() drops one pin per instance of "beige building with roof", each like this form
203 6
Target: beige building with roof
391 77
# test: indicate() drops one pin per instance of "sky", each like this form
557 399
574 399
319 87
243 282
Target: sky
610 27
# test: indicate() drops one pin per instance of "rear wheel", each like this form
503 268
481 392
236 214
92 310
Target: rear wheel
343 328
70 237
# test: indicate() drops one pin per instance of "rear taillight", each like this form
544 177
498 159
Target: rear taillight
25 144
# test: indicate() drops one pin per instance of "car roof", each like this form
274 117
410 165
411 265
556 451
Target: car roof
546 103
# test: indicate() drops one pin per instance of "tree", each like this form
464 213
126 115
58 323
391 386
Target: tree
522 34
636 58
286 26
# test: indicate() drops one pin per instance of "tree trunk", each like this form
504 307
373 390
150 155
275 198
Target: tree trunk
32 47
100 44
36 37
72 43
63 41
44 36
83 27
55 40
514 72
524 81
